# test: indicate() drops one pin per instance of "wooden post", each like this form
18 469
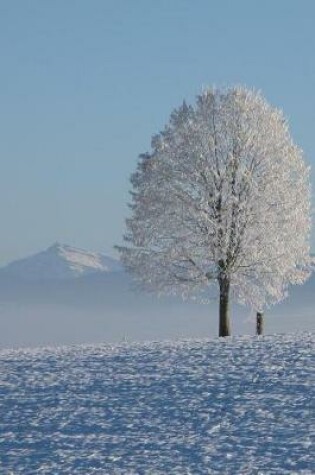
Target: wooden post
259 323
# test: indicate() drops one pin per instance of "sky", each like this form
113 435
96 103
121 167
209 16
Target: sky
84 86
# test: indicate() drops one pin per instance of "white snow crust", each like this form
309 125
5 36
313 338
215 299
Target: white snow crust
224 406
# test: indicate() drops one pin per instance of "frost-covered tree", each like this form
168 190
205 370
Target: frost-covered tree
223 198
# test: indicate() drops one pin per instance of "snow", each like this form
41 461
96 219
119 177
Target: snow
79 259
222 406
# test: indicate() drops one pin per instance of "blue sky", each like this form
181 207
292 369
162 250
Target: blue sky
84 85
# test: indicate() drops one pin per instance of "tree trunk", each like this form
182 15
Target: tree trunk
224 324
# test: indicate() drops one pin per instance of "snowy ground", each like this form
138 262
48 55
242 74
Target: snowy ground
234 406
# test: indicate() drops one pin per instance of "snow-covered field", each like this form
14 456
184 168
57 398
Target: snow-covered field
226 406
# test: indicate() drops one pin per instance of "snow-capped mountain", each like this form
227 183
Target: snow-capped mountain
60 261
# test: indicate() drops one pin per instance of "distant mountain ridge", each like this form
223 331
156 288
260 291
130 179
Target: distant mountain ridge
60 262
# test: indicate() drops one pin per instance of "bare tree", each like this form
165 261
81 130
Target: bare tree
223 198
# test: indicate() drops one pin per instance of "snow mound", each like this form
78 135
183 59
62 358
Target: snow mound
226 406
60 261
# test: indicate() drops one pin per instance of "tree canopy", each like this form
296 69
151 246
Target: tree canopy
222 198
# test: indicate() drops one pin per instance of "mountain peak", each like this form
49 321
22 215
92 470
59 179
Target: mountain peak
60 261
56 245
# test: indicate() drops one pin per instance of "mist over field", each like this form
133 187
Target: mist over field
104 307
